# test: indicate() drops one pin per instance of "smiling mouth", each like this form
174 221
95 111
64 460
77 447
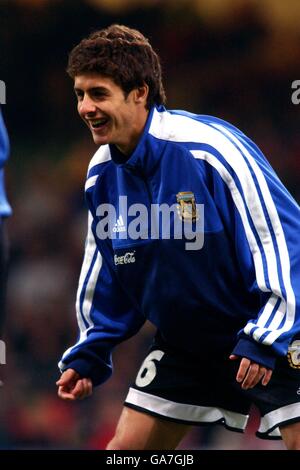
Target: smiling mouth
99 123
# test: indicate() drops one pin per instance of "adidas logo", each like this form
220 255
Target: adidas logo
119 225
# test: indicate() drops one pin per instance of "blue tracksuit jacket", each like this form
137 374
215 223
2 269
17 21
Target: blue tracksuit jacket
238 293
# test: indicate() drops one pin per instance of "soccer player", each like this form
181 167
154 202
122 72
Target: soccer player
227 308
5 210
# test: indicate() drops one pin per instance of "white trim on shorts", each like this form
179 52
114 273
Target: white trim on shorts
194 414
186 413
269 423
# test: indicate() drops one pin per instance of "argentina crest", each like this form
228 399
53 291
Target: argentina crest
186 206
293 354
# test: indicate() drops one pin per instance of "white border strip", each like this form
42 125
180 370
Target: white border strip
238 200
90 182
276 417
85 308
102 155
185 412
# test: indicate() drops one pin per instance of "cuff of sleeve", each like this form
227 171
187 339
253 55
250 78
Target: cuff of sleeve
255 352
97 375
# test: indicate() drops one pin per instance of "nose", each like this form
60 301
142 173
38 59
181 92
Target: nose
86 106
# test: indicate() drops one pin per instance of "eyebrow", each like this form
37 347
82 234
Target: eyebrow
91 90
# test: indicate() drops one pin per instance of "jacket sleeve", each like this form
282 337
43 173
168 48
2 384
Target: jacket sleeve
104 314
4 142
264 221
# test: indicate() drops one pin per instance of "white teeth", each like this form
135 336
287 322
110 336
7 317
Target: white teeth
99 122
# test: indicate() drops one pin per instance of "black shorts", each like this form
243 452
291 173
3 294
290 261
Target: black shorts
203 390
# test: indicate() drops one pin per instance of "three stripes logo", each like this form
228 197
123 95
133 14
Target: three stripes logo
119 225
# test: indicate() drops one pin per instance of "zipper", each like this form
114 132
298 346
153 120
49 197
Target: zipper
138 172
147 186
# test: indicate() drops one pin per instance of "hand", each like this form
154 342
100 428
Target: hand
250 373
72 387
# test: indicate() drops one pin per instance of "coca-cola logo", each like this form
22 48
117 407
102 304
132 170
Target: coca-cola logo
127 258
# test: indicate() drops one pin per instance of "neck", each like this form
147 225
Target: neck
135 134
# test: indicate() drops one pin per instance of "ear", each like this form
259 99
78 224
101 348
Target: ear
141 94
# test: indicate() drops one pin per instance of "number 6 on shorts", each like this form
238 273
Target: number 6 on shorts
147 371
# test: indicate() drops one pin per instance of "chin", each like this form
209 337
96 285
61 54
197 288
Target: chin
100 140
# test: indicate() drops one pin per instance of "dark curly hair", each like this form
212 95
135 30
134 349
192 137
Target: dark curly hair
122 54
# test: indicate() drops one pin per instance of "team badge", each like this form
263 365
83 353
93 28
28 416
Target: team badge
293 354
186 207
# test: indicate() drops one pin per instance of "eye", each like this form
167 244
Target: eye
99 94
79 95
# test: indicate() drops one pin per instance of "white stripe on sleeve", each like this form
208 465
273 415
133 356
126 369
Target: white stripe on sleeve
288 310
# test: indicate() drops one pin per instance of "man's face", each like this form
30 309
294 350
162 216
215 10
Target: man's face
110 116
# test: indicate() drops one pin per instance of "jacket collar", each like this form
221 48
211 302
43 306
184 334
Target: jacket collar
147 152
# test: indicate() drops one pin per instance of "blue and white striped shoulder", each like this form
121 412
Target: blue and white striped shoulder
101 156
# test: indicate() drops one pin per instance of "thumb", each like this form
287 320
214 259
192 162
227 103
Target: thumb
68 375
233 357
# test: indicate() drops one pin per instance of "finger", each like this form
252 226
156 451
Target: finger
260 374
84 388
90 387
65 395
233 357
264 375
267 376
252 373
61 382
68 375
65 377
78 390
87 385
241 373
259 377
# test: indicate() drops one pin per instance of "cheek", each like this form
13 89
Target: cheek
125 119
81 115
